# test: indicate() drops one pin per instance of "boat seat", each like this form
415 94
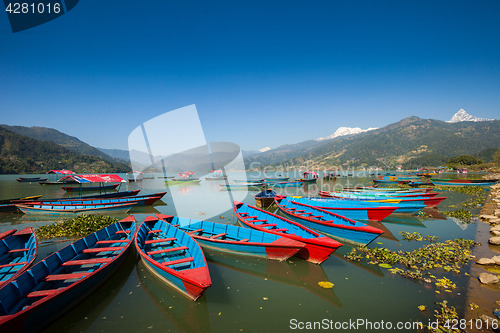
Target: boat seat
251 217
43 293
18 250
178 261
268 225
244 240
195 231
305 213
122 232
70 276
281 230
103 249
258 221
112 241
172 249
13 264
299 210
160 240
87 261
218 236
243 213
316 216
154 231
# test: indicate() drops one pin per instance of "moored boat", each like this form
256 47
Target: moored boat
31 180
90 188
96 209
18 249
464 182
140 200
183 178
265 198
173 256
355 210
318 247
237 240
57 283
428 199
329 223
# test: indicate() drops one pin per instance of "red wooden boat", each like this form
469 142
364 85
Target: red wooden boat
318 247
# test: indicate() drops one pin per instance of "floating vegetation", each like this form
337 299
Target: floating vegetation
422 307
325 284
464 215
80 226
418 237
450 255
444 315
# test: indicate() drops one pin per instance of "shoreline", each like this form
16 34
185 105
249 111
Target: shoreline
485 296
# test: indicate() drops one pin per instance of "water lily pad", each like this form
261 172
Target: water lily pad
380 243
326 284
422 307
385 265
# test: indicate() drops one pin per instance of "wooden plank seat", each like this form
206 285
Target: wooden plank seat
243 213
251 217
309 213
195 231
280 230
18 250
268 225
219 235
258 221
69 276
103 249
111 241
43 293
160 240
299 210
244 240
154 231
87 261
178 261
13 264
172 249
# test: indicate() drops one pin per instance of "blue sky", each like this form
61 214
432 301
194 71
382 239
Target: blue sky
260 73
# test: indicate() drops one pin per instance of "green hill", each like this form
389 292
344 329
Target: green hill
390 146
21 154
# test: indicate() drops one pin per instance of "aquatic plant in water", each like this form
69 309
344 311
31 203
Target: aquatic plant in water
462 214
449 255
80 226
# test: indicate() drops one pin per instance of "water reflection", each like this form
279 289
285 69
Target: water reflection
295 272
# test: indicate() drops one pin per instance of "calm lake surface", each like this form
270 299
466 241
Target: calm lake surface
252 295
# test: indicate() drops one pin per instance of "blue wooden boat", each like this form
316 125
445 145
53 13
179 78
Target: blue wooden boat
464 182
140 200
90 188
276 179
287 184
240 185
400 207
354 210
57 283
96 209
405 203
18 249
318 247
236 240
31 180
329 223
8 205
173 256
265 198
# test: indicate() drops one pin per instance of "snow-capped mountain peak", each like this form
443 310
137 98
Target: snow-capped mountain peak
264 149
462 115
342 131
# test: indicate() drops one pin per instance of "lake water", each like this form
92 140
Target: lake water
252 295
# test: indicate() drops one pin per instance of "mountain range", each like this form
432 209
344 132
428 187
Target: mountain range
400 143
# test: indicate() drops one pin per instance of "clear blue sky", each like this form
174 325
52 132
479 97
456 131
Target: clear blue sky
261 73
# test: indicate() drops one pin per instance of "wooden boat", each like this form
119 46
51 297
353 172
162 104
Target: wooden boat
464 182
216 175
90 188
276 179
173 256
265 198
240 185
236 240
18 249
350 209
57 283
309 177
31 180
378 195
95 209
183 178
287 184
329 223
140 200
401 206
8 205
134 176
420 199
318 247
